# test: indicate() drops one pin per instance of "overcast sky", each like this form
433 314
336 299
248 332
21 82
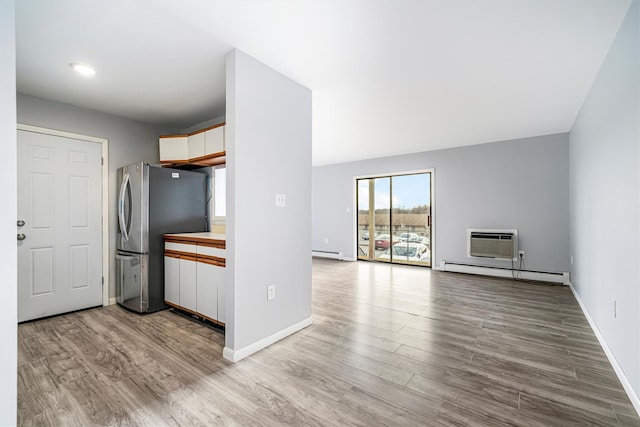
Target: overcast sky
408 191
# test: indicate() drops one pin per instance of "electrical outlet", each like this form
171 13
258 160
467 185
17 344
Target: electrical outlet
571 259
521 253
271 292
326 240
281 200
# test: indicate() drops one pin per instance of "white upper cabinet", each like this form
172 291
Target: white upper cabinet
196 145
214 140
174 147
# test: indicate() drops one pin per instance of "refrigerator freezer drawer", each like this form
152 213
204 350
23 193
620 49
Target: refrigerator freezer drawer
132 284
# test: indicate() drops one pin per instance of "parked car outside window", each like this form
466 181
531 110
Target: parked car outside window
407 252
408 237
383 241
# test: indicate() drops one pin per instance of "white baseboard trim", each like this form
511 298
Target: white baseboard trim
612 359
326 254
236 355
112 301
562 278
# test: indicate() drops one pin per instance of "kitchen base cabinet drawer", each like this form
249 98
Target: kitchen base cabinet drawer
180 247
211 251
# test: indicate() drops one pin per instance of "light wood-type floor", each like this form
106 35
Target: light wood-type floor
390 345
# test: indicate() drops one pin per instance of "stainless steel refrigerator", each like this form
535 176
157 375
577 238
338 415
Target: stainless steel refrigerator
153 201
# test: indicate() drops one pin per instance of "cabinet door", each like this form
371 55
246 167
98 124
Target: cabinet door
196 145
188 285
174 148
172 280
220 274
207 290
214 140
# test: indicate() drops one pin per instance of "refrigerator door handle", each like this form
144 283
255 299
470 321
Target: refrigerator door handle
121 218
125 257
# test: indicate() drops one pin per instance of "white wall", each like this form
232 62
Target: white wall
8 217
604 205
129 142
268 141
519 184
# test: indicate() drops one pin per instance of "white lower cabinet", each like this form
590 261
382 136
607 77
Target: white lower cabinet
210 277
207 290
172 280
221 311
193 284
188 288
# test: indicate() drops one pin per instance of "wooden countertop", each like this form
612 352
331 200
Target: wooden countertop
207 238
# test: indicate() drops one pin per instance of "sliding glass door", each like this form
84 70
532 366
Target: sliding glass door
394 219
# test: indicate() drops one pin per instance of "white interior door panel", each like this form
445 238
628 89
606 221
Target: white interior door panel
60 202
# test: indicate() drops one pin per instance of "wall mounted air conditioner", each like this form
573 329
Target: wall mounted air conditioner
497 244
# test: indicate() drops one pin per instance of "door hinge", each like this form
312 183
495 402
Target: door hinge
102 280
102 163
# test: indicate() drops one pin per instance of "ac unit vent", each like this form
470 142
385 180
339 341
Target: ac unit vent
498 244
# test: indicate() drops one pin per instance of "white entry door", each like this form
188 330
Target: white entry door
60 243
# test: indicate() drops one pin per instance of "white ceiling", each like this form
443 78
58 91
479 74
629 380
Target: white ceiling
388 76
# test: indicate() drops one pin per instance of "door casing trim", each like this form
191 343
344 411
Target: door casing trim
105 194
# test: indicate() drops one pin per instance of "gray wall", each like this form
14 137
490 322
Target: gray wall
129 142
8 252
519 184
268 141
605 217
199 126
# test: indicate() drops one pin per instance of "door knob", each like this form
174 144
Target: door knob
21 236
20 223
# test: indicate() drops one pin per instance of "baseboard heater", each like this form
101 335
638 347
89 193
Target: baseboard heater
327 254
541 276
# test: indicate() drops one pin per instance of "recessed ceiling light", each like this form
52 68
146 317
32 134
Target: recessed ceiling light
84 69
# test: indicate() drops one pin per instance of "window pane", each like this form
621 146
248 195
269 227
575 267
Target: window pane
381 218
411 218
220 192
363 218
